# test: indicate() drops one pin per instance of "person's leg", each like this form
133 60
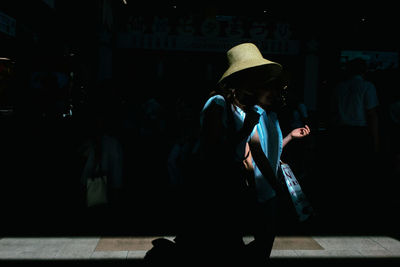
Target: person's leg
265 230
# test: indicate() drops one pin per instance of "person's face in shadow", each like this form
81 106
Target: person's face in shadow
268 97
246 98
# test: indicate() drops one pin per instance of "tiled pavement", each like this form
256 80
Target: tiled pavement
126 248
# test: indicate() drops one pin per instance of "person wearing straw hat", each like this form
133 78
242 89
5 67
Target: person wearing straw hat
227 123
258 79
266 146
252 74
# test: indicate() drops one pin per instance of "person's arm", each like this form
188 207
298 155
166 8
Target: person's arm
214 128
251 120
262 161
248 164
373 126
286 140
212 132
296 134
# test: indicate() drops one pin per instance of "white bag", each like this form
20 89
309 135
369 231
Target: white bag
302 205
96 193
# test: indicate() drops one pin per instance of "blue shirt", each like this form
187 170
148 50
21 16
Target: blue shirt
271 140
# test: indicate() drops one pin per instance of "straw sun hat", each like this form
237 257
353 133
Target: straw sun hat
247 65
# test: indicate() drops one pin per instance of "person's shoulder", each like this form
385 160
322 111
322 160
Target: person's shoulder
259 109
361 80
216 100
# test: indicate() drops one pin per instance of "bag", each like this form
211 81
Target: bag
301 204
96 186
96 191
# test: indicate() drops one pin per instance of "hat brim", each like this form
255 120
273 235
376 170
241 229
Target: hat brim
252 72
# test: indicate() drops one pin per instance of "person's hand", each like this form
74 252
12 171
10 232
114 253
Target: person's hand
300 132
252 118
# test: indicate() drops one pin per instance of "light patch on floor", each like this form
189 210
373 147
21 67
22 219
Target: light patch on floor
296 243
124 243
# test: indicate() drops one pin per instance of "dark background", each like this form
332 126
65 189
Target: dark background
39 171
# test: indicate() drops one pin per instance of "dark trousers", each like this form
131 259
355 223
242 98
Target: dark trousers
264 229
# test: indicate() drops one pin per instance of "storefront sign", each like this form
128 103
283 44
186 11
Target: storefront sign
209 34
